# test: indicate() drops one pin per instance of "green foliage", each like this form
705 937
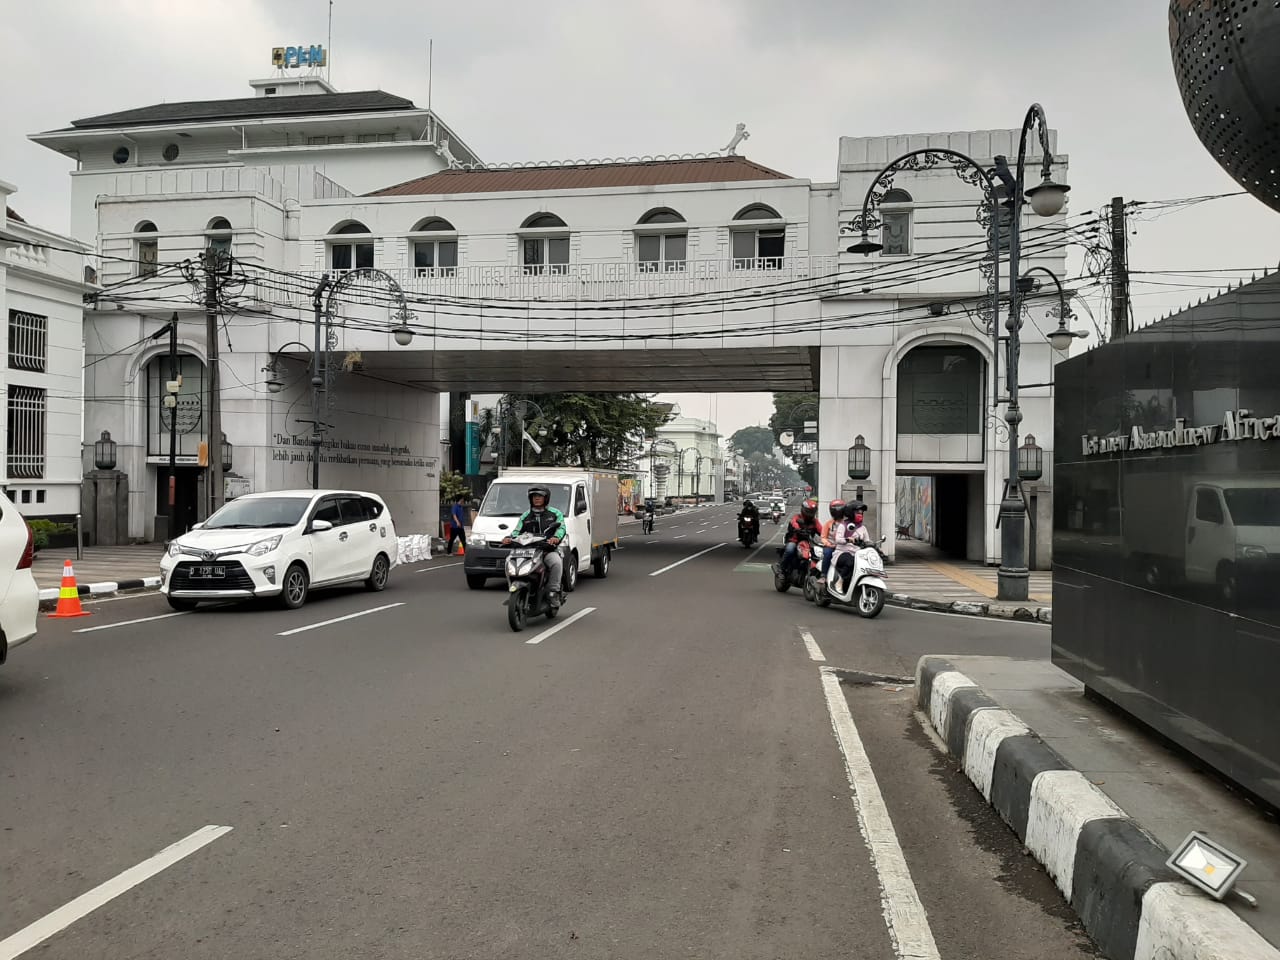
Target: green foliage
785 416
585 429
42 530
453 484
753 440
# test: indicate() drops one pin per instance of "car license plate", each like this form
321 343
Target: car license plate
208 573
524 553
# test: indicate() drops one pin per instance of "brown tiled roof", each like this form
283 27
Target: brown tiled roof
12 214
587 176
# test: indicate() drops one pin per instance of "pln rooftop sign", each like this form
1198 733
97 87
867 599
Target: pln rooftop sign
1236 425
289 57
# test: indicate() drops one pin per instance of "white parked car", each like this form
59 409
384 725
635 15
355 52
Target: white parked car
19 595
282 544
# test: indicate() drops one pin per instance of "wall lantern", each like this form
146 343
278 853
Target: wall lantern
859 459
1030 459
226 453
104 452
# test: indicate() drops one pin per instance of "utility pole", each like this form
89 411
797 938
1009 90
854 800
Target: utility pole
1119 270
317 379
173 428
212 265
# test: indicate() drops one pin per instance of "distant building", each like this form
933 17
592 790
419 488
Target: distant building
686 461
42 287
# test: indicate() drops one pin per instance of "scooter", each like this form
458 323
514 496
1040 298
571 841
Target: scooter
796 576
775 515
528 589
646 521
749 531
866 589
813 578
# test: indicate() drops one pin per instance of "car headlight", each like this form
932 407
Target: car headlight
1248 552
478 541
263 547
174 549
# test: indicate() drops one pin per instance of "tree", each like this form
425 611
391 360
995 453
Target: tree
784 416
753 440
583 429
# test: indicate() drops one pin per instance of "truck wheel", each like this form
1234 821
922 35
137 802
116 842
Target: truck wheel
600 566
1228 584
476 581
571 572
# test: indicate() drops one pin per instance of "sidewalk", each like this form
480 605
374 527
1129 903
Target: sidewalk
100 564
925 577
1100 802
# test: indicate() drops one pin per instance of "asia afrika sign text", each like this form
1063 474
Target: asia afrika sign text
1236 425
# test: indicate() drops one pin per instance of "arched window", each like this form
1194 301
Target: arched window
895 224
542 221
548 252
353 254
758 248
218 235
662 215
940 392
435 256
146 250
664 249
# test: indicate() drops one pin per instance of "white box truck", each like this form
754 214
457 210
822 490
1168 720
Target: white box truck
587 498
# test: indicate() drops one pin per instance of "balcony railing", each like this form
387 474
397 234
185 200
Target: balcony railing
610 280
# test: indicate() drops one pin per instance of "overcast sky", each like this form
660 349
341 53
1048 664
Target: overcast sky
562 79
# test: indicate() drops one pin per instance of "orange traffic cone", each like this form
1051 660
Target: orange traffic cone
69 595
462 549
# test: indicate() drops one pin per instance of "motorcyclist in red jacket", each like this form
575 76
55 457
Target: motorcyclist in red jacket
801 527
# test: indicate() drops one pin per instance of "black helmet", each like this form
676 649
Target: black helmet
837 509
852 510
809 509
540 491
748 505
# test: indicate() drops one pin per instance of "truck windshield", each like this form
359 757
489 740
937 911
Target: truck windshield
512 499
1254 506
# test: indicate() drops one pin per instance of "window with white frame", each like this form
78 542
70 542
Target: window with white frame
895 223
435 256
218 236
351 247
25 447
659 248
759 247
28 341
548 251
146 250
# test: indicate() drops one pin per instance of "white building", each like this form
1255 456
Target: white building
42 287
652 274
688 458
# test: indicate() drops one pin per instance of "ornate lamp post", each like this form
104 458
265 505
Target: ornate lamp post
104 452
1046 199
859 459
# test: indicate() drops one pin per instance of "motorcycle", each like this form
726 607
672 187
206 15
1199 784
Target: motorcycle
528 588
866 589
813 577
646 522
796 576
748 531
775 514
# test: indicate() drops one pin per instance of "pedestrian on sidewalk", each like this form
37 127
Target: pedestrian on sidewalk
458 523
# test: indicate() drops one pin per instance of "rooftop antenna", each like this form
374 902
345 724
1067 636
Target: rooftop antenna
328 53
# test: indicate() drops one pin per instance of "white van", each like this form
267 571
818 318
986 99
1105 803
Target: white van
587 498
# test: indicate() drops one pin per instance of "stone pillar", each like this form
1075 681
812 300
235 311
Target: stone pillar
852 490
104 507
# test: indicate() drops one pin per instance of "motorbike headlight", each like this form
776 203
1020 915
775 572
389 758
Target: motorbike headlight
511 567
525 568
263 547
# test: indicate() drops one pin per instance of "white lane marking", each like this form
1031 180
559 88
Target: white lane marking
561 625
810 644
129 623
904 914
442 566
44 928
695 556
325 623
681 537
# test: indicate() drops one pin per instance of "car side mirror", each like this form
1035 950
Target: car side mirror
319 526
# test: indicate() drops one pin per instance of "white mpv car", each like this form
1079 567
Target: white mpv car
19 595
282 544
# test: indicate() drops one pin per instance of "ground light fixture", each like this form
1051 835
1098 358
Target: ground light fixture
1208 865
104 452
859 459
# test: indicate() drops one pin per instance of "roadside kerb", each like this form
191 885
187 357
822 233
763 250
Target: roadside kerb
1109 869
1002 611
49 595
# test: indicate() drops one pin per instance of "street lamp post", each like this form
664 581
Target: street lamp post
1047 199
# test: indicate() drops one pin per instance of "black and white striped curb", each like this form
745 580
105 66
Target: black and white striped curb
1111 871
1002 611
49 596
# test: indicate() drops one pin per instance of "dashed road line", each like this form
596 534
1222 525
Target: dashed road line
561 625
442 566
326 623
810 644
695 556
130 623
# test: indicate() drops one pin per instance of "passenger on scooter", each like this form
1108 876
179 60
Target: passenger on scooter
803 526
543 520
836 507
850 536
